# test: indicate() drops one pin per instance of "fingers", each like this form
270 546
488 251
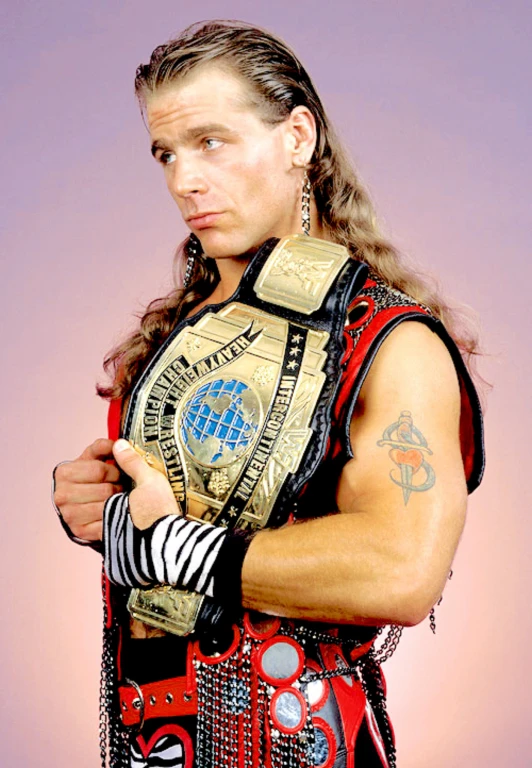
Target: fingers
84 493
82 486
90 532
79 516
131 462
101 448
94 532
87 471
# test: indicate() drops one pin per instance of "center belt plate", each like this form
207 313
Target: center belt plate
226 412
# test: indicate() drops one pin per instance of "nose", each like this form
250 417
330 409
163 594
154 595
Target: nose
184 177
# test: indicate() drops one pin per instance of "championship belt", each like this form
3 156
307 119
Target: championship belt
235 407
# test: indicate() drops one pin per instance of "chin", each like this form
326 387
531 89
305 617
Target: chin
218 245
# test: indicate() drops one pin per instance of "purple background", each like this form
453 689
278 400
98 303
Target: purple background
434 102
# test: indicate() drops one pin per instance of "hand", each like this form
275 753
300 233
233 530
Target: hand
152 497
82 486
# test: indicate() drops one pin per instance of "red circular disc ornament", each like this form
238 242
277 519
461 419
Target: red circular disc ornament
288 710
222 656
280 660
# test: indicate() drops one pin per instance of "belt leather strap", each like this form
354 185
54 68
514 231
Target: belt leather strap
165 698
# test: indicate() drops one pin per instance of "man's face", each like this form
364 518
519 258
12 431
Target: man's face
219 158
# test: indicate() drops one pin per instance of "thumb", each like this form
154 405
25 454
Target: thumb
130 461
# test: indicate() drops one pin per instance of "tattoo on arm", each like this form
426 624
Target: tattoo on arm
408 449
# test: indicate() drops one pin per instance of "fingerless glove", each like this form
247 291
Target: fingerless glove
199 557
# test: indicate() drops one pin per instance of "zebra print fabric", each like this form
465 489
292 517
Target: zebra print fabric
169 747
167 753
173 550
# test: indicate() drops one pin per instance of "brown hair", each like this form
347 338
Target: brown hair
276 83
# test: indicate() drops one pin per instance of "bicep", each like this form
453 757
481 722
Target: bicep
407 471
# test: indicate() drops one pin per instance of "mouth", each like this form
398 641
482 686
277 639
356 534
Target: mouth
202 220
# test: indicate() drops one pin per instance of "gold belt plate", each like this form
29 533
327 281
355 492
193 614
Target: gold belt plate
165 607
225 413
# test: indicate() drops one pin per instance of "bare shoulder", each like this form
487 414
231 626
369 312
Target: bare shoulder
409 402
413 370
414 362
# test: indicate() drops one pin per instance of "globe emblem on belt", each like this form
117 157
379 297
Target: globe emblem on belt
219 422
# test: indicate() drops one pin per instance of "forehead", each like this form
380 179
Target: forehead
211 91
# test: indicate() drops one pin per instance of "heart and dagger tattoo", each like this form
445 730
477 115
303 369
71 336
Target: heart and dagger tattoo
408 451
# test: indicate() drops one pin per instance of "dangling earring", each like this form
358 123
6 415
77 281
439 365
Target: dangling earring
193 249
305 205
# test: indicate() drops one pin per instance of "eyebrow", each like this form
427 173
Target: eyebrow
193 133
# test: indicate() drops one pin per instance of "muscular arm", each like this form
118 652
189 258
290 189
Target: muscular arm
385 557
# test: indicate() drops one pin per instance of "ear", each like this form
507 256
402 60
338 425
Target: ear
301 136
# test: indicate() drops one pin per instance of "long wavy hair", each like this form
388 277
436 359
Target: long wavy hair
276 82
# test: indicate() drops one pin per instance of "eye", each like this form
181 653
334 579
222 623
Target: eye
165 158
211 144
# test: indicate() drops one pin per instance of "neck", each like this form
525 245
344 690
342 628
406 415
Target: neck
231 271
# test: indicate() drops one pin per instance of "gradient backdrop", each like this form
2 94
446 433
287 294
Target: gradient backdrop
434 101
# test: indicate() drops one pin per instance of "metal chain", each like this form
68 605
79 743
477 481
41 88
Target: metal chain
193 249
113 740
432 614
327 674
305 205
389 646
104 675
303 634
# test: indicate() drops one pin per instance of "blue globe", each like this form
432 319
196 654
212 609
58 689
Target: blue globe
219 422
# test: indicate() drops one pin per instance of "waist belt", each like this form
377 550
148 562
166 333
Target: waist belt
177 696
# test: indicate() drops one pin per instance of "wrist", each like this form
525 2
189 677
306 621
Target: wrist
186 554
227 570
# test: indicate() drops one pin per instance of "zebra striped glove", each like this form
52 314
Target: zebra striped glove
199 557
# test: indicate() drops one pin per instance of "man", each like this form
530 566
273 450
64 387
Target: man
276 666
